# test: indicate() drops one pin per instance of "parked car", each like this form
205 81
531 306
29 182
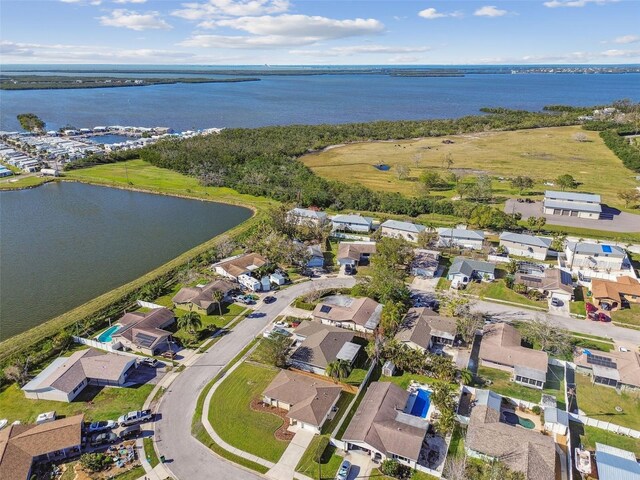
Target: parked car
103 438
102 426
130 431
136 416
168 355
349 270
152 362
343 471
269 299
556 302
603 317
624 349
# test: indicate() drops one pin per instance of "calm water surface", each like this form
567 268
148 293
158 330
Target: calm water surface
63 244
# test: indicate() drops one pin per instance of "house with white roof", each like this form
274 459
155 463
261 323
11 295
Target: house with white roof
352 223
302 216
597 260
461 238
522 245
407 230
570 204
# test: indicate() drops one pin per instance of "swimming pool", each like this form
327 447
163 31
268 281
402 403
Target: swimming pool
513 419
105 337
421 404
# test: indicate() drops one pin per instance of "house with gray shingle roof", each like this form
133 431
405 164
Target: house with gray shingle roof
66 377
352 223
471 269
302 216
460 238
407 230
421 328
522 245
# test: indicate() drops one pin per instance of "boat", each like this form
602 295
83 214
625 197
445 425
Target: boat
3 423
583 461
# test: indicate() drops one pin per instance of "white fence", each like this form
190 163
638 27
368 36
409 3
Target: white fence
610 427
498 259
349 236
142 303
109 347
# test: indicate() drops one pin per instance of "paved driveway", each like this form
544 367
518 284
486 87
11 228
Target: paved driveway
613 220
187 458
286 466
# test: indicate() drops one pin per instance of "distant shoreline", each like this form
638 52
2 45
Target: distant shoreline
63 82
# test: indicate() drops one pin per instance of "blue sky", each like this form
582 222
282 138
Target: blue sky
254 32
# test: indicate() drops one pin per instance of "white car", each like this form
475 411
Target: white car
624 349
102 426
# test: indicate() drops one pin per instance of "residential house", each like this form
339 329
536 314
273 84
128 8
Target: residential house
23 446
66 377
612 369
243 264
381 429
616 464
554 282
501 349
309 401
144 332
571 204
406 230
316 257
422 328
360 314
425 263
471 270
594 257
489 437
317 345
522 245
352 223
354 253
200 298
460 238
306 216
615 295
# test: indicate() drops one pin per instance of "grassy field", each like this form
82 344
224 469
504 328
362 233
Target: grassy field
329 462
499 290
96 403
542 154
501 383
232 418
599 402
589 436
142 175
18 182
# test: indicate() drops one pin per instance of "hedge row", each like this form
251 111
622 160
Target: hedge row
624 150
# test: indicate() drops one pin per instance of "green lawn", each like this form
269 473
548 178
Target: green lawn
329 462
599 402
499 290
627 316
376 474
96 403
502 385
17 182
589 436
456 447
577 306
234 421
133 474
150 452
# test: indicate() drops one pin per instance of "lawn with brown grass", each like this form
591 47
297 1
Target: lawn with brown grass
542 154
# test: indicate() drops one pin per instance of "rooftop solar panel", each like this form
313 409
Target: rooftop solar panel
325 309
602 361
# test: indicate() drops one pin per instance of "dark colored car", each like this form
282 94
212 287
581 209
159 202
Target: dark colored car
604 317
269 299
104 438
349 270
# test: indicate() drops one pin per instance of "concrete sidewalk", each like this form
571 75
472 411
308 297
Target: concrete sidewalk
285 469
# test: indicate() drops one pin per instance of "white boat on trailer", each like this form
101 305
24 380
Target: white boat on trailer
583 461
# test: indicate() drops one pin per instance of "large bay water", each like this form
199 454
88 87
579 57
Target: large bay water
281 100
63 244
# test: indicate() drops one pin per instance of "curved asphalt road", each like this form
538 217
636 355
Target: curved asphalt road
187 458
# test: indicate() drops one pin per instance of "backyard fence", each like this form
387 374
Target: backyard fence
498 259
610 427
143 304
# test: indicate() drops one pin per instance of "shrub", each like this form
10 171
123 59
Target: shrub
95 462
536 409
391 468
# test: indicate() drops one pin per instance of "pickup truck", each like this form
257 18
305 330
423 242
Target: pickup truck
137 416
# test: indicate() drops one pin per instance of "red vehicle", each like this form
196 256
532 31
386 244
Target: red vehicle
603 317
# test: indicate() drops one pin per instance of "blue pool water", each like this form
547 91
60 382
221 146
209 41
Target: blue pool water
105 337
421 405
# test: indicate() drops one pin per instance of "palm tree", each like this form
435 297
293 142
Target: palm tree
190 321
339 369
216 297
466 376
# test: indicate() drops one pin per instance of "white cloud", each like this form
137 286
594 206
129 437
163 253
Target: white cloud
357 50
134 20
212 9
621 53
627 39
129 1
575 3
489 11
432 14
83 2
